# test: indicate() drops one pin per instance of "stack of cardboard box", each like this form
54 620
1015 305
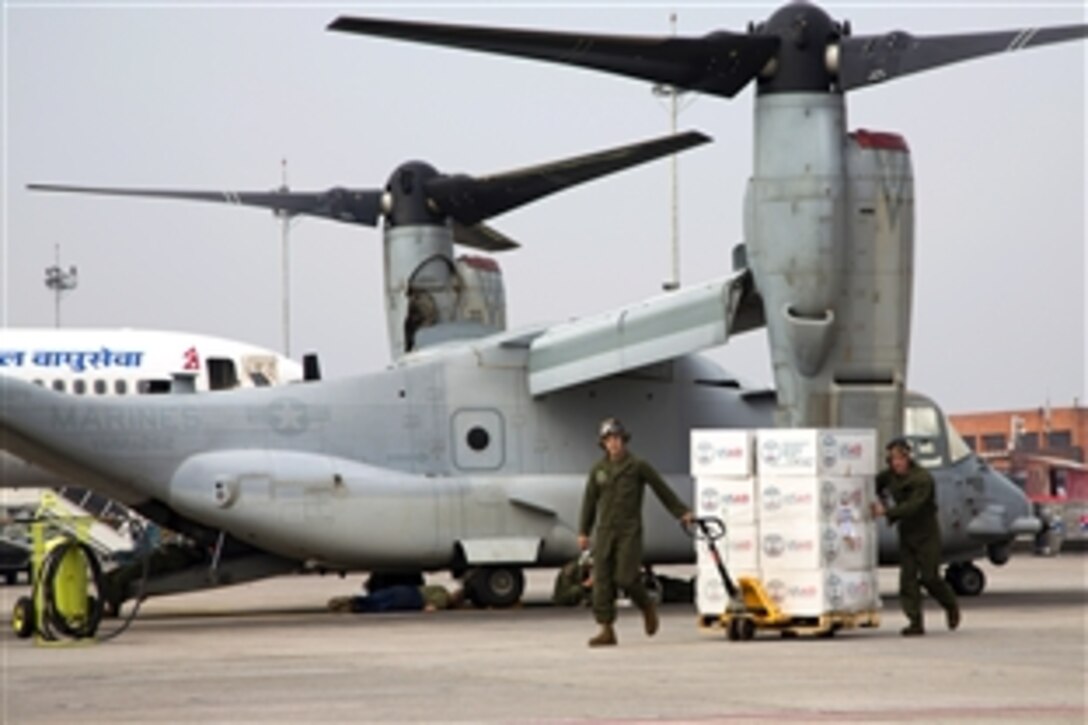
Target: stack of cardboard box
799 519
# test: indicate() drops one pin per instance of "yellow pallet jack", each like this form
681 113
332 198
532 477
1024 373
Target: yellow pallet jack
751 608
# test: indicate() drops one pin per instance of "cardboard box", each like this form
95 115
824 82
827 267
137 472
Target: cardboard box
816 452
815 592
733 500
827 498
722 452
739 548
795 544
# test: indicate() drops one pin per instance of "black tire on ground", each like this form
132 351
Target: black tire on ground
22 617
732 631
966 579
495 586
746 628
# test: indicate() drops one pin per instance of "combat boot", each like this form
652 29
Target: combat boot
952 616
649 619
914 629
605 638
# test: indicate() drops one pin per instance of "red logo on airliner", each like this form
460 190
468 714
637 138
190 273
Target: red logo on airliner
192 359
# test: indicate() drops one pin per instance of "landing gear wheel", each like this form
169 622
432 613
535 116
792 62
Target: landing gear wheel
495 586
967 580
22 617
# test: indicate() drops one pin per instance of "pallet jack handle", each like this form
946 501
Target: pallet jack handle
710 529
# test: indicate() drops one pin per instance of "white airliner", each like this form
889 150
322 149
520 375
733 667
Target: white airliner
127 362
122 361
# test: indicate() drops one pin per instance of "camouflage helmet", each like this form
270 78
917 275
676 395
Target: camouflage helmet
613 426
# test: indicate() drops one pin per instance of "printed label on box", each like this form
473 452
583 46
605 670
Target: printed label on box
807 497
812 593
806 544
730 499
816 452
722 452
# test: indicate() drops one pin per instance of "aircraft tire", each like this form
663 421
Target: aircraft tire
967 580
495 586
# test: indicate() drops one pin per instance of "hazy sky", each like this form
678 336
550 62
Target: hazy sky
209 96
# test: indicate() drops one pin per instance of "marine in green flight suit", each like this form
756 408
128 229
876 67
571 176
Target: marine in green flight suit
612 511
912 489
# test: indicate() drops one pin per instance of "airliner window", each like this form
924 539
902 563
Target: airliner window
99 387
153 387
120 387
478 439
79 387
222 375
58 385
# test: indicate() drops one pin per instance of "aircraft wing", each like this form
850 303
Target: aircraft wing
647 332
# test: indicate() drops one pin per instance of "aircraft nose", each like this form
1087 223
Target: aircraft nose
1018 510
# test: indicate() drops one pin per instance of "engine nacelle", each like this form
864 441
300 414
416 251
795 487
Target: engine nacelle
316 508
829 238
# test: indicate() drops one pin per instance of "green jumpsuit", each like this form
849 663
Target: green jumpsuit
613 501
915 511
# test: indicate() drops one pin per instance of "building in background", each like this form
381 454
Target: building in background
1043 450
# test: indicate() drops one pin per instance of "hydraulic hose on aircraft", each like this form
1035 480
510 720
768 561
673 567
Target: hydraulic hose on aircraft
68 585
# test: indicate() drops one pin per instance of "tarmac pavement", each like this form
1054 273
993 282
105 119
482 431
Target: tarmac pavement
270 652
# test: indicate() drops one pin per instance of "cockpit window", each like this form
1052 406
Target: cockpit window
922 425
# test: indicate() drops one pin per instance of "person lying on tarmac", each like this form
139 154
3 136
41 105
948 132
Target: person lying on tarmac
400 598
574 583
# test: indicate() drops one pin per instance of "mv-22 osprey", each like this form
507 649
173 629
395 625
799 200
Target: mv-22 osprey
469 453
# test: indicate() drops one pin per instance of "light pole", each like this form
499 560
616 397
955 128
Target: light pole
664 90
59 281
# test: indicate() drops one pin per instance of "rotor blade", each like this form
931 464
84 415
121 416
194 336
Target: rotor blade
720 63
865 60
353 206
482 237
470 200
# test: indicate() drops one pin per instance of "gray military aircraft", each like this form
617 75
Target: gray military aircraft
469 452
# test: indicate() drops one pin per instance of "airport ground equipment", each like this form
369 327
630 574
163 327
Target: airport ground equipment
751 608
64 566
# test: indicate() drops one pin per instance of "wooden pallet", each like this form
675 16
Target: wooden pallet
825 625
